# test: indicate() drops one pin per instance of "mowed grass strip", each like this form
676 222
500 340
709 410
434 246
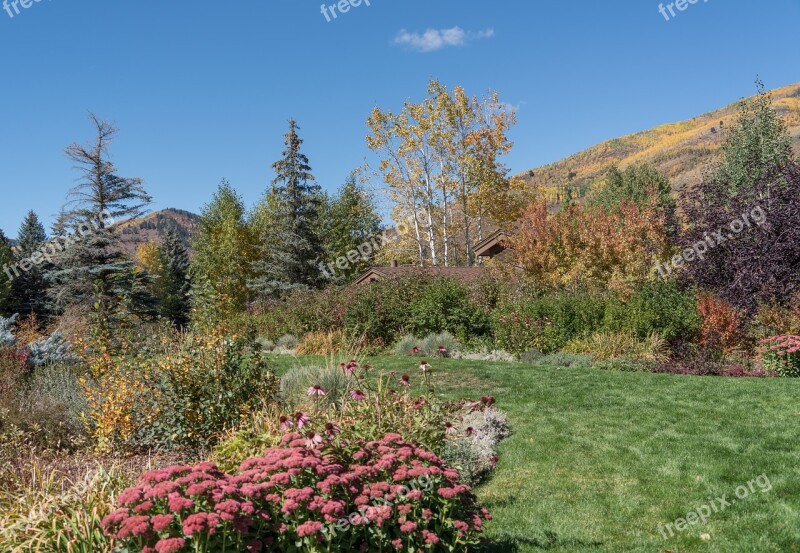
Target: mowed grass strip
599 459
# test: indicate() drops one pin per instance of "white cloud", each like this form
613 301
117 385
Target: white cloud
436 39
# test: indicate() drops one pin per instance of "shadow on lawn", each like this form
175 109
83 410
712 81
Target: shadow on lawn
549 541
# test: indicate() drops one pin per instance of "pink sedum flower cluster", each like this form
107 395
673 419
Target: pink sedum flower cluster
298 498
781 354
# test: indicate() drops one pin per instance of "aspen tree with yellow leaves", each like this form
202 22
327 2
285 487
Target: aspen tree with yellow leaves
440 159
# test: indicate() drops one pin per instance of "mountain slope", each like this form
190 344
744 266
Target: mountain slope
679 150
150 227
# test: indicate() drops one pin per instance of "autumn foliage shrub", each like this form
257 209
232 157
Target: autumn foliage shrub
13 366
208 384
590 247
775 318
198 387
722 326
390 495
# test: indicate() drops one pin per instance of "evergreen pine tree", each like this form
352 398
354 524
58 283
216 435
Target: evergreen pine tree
172 281
6 275
92 270
291 245
353 223
29 289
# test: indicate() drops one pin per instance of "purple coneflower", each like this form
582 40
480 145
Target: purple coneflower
470 431
442 350
332 429
301 419
415 350
405 380
449 429
488 400
424 366
286 423
316 390
312 440
357 395
351 367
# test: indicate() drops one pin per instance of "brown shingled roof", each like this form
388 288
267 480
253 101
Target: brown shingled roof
464 274
492 245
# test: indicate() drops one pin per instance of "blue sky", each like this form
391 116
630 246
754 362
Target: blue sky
202 90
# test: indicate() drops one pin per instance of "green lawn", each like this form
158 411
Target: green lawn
599 459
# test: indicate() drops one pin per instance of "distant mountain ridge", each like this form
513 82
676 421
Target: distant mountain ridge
682 151
150 227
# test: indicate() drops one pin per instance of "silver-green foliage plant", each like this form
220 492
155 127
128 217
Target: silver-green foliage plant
266 345
7 338
473 450
53 349
287 342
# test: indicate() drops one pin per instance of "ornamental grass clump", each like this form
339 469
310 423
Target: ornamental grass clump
47 511
442 344
304 495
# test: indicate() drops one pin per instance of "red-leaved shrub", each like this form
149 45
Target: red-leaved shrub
13 364
391 495
721 328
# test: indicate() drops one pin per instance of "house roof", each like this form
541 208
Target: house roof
464 274
492 244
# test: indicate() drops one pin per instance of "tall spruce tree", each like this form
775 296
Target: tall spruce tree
223 253
29 289
353 224
291 246
92 270
172 280
6 275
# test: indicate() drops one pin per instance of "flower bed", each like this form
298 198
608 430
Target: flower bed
389 495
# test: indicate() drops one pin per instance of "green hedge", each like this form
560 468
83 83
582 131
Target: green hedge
382 311
547 323
659 306
485 311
